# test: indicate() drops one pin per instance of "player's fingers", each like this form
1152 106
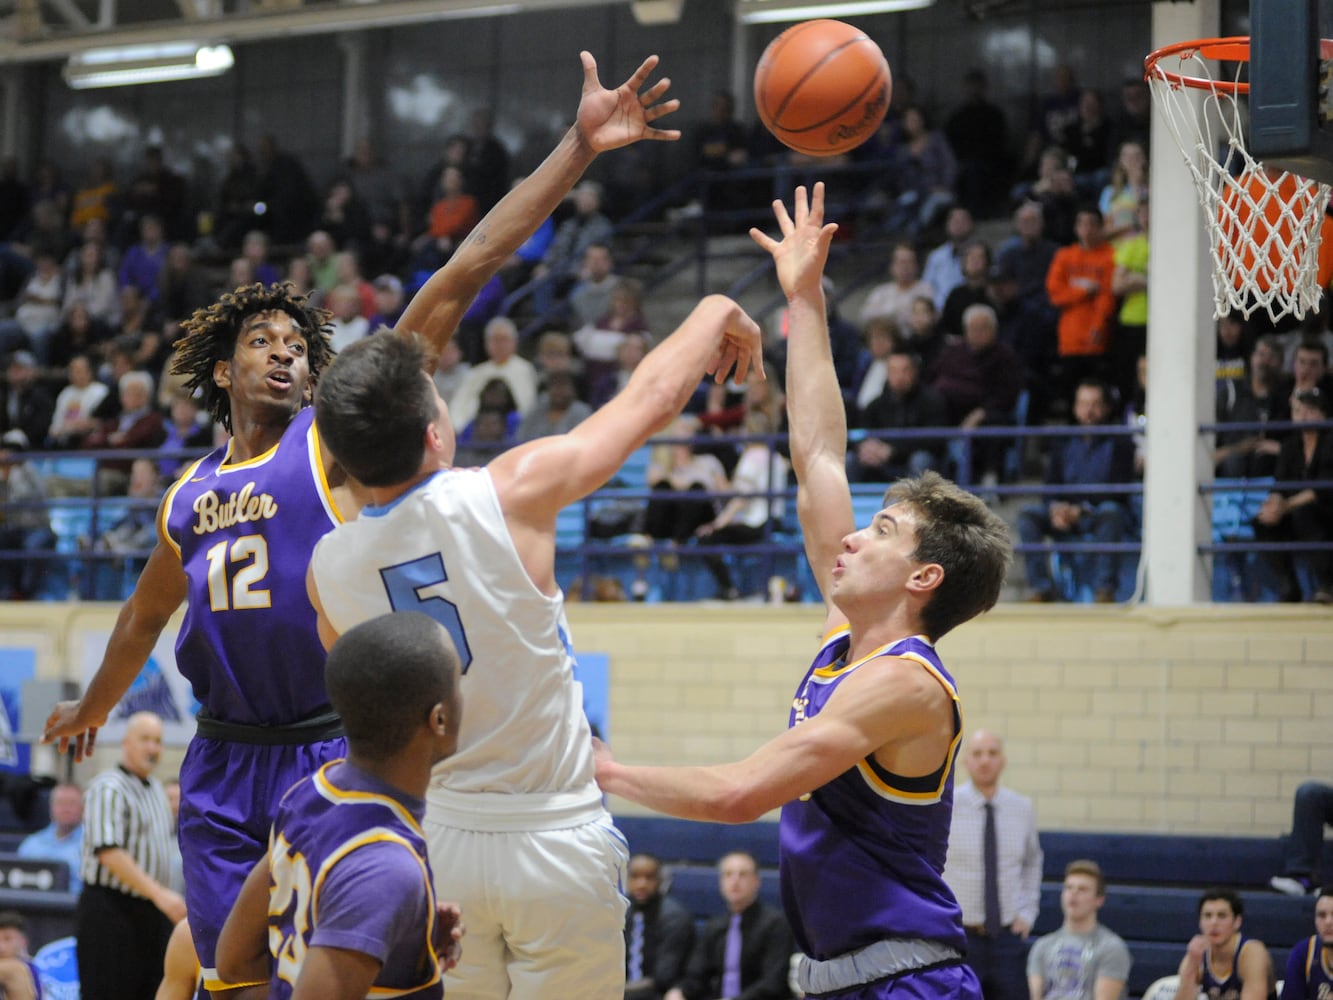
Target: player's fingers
590 81
641 74
780 213
90 741
801 205
817 199
826 234
655 92
664 134
658 110
764 240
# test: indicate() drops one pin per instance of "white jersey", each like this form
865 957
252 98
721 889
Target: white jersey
443 548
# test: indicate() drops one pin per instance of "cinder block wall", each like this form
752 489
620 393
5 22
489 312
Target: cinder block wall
1190 720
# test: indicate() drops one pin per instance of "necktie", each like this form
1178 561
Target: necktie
635 971
731 959
990 858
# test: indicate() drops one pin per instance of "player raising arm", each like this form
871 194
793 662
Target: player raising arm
237 529
864 774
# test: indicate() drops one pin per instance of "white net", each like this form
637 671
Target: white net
1263 224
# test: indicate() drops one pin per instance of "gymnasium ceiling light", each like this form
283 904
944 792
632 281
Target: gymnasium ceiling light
778 11
134 64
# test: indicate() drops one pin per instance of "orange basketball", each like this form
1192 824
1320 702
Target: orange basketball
822 87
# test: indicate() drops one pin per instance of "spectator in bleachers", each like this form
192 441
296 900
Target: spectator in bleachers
187 427
25 404
131 537
744 952
142 263
234 205
79 333
943 270
924 173
1088 140
453 214
972 290
1129 281
343 216
1256 399
379 189
585 227
254 248
321 257
743 520
1306 514
487 164
905 402
1133 119
1309 974
558 409
893 299
454 154
1079 284
980 378
721 142
282 184
62 838
19 979
590 298
139 425
93 285
1057 194
978 133
1027 254
633 348
388 302
1136 414
348 269
599 342
677 468
923 335
1054 113
1029 329
25 520
38 312
1311 811
451 369
1235 342
555 353
346 325
157 191
1120 199
1308 364
659 932
75 405
1221 960
183 286
140 326
994 868
484 437
1083 460
503 362
1083 960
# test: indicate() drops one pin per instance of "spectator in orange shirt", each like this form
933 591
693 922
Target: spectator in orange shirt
1079 286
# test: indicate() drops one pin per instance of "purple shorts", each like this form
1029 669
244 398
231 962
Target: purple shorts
229 793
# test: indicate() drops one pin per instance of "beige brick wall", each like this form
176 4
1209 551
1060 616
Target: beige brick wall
1193 720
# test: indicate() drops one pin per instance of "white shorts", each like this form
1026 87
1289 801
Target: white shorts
544 910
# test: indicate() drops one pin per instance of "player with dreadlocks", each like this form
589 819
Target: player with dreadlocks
237 529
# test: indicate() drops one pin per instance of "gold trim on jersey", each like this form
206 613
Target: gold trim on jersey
164 511
837 669
249 463
316 454
333 793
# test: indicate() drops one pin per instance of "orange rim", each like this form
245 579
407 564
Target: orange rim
1236 49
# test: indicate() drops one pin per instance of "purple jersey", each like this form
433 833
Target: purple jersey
349 870
862 856
1223 989
1307 977
244 533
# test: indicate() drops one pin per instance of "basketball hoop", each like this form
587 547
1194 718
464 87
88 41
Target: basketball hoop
1264 225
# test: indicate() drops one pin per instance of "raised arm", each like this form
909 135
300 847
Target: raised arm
536 480
815 413
607 119
160 590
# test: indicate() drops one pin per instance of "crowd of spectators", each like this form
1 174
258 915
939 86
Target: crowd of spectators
963 333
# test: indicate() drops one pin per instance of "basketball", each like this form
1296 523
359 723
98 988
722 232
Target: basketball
822 87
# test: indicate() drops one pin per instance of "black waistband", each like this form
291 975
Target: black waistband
314 729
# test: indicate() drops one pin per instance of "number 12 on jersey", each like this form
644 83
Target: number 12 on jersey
405 584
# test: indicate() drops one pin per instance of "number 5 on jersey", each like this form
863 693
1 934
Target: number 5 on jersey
406 584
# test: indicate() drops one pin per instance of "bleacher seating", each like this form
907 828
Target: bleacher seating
1152 897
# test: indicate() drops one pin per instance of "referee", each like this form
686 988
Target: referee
126 912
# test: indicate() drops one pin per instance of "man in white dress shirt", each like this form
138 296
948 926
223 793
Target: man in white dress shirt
997 921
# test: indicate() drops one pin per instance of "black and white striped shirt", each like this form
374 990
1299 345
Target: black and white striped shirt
123 810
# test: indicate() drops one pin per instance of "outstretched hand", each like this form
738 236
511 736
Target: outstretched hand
803 251
65 726
609 119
